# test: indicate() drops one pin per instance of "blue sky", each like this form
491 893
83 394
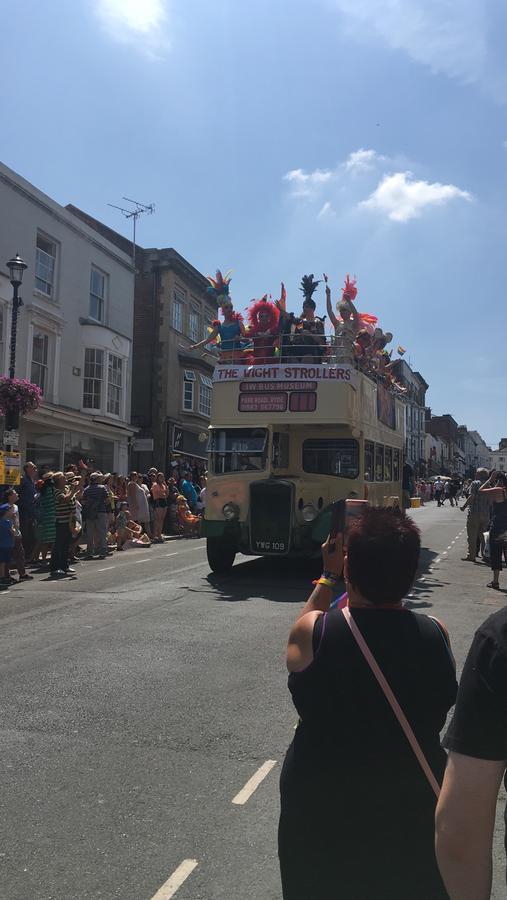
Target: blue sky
283 137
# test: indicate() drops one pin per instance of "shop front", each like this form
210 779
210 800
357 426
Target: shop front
56 440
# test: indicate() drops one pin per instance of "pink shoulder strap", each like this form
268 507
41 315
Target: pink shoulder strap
395 706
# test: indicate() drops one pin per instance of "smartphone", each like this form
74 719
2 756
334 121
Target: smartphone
338 517
353 509
343 512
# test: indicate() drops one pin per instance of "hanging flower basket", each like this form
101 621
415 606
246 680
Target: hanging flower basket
18 396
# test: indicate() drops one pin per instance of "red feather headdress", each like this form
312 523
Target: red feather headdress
350 289
263 306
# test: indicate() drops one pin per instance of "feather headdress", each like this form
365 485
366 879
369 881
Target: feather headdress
263 306
308 286
219 285
349 290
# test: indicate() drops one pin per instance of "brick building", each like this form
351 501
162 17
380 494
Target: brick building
171 385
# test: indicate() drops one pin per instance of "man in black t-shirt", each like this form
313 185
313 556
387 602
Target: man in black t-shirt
477 740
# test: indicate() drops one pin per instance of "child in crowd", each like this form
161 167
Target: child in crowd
18 554
6 545
186 520
126 528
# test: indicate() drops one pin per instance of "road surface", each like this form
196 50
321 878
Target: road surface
145 716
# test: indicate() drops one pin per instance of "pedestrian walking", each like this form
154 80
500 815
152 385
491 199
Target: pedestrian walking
439 487
477 741
26 506
478 505
495 489
96 511
447 493
357 810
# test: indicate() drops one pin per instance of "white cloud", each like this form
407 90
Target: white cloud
142 22
402 198
326 210
362 160
449 36
306 184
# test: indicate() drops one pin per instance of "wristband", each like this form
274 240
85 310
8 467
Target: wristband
327 579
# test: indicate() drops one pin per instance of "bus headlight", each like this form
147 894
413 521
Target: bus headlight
309 513
230 511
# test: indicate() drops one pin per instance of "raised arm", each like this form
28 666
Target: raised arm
329 305
207 340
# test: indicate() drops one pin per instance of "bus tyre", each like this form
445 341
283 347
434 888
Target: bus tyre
221 554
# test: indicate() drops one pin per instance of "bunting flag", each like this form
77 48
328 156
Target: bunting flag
283 297
401 350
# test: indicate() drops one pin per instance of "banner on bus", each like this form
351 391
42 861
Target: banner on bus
283 373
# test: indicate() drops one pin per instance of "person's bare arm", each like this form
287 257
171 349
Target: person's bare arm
207 340
329 307
465 821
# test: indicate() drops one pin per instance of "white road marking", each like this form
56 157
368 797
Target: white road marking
138 562
106 569
179 552
438 559
254 782
179 876
170 554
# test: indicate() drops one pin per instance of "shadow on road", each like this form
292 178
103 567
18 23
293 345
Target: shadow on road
279 580
290 581
418 596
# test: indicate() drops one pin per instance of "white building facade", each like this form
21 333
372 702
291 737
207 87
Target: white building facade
74 330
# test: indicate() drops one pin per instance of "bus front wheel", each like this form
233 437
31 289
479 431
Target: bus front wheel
221 554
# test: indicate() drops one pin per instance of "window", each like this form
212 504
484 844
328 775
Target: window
369 454
188 390
379 462
238 450
93 377
205 395
39 373
280 453
208 326
331 456
396 465
45 258
114 384
178 310
193 323
97 295
388 464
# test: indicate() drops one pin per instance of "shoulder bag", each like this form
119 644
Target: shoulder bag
395 706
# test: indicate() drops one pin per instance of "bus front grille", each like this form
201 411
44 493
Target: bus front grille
271 504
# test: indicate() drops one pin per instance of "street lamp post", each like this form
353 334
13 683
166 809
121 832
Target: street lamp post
16 268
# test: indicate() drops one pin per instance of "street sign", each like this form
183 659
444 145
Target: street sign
12 462
11 438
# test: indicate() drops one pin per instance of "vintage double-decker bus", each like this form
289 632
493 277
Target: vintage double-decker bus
286 440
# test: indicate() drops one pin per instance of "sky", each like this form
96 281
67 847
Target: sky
285 137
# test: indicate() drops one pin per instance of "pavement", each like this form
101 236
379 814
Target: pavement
141 698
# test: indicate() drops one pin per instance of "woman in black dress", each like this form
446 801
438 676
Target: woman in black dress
357 812
496 490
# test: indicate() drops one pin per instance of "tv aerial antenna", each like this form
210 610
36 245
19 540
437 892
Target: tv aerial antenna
137 209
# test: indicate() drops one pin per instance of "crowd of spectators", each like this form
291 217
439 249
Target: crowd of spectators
59 518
